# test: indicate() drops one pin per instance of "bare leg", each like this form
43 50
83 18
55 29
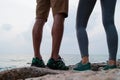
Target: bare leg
37 36
57 33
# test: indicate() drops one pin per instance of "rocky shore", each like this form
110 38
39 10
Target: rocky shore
33 73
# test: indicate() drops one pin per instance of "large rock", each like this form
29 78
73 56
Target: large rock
84 75
33 73
25 72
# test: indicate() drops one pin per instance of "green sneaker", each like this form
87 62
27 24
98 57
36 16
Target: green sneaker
107 67
57 65
38 63
82 67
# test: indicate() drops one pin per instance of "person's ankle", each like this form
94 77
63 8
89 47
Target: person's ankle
40 58
112 62
56 57
85 60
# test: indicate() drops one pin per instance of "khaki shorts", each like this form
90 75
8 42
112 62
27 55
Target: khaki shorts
58 6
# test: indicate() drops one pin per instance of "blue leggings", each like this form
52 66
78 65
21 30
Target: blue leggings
85 9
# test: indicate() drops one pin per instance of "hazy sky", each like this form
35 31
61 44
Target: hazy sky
16 22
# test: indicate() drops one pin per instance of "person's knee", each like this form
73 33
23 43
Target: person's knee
38 25
39 21
108 22
80 28
58 18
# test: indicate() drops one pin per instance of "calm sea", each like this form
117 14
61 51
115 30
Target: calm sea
14 61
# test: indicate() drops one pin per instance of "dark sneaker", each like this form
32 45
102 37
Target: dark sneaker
57 65
107 67
37 63
82 67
